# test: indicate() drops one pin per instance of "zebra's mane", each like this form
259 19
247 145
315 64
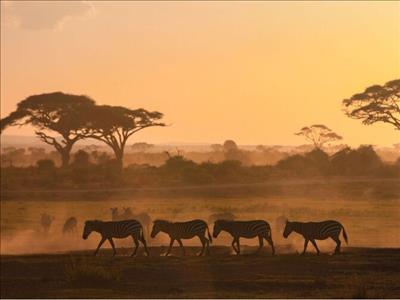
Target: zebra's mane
93 222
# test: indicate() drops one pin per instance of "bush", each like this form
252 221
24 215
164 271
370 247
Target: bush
45 165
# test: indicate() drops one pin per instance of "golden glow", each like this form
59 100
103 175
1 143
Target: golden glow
254 72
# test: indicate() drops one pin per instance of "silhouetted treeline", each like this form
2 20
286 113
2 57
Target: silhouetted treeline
104 172
143 153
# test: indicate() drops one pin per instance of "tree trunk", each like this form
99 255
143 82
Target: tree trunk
65 159
119 155
65 155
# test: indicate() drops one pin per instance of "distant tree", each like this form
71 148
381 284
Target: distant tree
318 134
141 147
100 157
376 104
55 112
114 125
81 158
261 148
15 156
45 165
361 161
230 145
232 152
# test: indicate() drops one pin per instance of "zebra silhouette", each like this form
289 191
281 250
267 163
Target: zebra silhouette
45 221
312 231
70 225
183 230
246 229
116 229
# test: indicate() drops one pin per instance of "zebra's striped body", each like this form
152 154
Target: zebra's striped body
183 230
70 225
116 229
144 218
246 229
312 231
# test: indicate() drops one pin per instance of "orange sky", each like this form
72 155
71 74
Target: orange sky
255 72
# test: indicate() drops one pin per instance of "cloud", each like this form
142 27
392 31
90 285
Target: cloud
43 15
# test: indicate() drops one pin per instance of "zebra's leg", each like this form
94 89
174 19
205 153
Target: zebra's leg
208 246
145 245
113 246
98 247
238 245
136 246
204 242
181 244
305 246
261 241
233 245
170 246
271 243
315 245
338 243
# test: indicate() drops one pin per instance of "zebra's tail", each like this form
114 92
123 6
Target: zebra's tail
209 235
344 235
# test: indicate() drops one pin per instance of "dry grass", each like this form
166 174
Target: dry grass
357 273
84 272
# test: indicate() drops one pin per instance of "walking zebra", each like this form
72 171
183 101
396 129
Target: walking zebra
183 230
116 229
246 229
45 221
70 225
312 231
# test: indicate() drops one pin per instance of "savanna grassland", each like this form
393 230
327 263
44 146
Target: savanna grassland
55 265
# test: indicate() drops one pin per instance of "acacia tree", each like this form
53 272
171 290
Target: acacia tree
376 104
318 134
51 113
114 125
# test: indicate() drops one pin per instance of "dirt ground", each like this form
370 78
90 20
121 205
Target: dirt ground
356 273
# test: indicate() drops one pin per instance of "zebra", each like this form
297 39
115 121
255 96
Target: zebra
70 225
143 218
45 221
246 229
183 230
312 231
116 229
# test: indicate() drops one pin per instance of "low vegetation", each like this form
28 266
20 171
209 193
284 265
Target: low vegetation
178 170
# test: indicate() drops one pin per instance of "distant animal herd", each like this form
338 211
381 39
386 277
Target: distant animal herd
127 224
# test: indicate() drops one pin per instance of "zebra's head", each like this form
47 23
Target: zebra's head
288 229
158 225
217 228
89 227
